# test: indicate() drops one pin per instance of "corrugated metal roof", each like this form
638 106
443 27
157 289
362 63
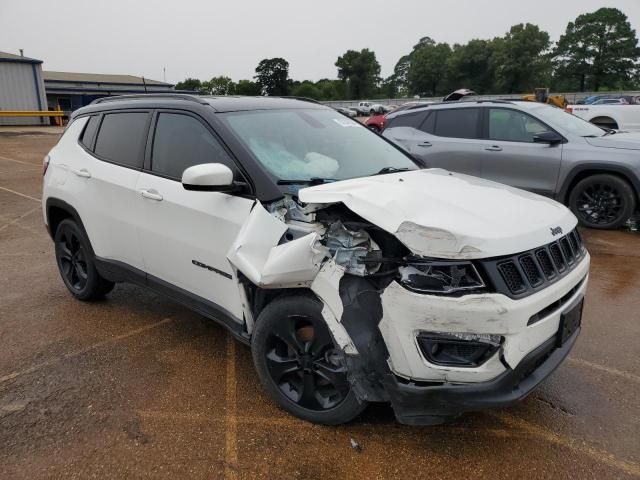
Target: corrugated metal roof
10 57
74 77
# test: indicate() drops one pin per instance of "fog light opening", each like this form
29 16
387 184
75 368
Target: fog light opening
458 349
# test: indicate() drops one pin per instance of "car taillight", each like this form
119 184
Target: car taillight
568 109
45 164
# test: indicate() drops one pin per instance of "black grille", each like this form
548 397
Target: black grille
558 259
544 259
512 277
530 271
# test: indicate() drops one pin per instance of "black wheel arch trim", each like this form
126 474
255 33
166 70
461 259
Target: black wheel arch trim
598 168
53 202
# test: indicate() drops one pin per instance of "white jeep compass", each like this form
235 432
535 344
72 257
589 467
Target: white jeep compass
355 275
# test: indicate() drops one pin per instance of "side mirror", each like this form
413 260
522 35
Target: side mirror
548 137
210 177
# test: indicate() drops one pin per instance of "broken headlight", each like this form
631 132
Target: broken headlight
426 276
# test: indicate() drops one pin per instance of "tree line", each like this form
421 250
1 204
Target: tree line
598 51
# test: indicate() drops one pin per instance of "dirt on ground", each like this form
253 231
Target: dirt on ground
137 386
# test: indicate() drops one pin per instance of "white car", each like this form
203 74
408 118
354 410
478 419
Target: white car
354 275
617 116
369 108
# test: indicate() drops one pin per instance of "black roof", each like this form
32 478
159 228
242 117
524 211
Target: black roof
218 103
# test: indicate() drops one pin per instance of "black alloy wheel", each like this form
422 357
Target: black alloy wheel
305 365
72 259
602 201
76 264
299 364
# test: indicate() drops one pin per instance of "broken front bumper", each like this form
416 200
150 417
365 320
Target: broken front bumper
416 404
407 314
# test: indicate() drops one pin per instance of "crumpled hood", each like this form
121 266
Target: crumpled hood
449 215
623 140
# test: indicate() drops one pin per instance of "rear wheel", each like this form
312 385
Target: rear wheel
76 263
299 365
602 201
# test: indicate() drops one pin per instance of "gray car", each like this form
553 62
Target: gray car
532 146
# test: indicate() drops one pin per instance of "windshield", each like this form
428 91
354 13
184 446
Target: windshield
567 123
314 144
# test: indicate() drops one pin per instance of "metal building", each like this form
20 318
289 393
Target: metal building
69 91
21 88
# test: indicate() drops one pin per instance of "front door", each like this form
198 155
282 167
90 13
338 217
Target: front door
511 156
186 234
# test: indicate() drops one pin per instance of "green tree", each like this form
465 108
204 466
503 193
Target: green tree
248 88
470 66
359 71
598 49
306 89
192 84
427 73
272 76
521 59
220 86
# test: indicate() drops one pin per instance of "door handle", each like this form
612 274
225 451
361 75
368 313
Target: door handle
494 148
424 144
151 195
84 173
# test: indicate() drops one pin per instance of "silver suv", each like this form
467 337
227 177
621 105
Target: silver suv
533 146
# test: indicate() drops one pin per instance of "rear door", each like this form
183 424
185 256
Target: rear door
186 234
442 138
511 156
106 182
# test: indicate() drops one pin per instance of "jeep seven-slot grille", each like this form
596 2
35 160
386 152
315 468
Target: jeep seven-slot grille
532 270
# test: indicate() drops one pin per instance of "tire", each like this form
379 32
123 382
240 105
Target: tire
76 263
299 365
374 128
372 112
602 201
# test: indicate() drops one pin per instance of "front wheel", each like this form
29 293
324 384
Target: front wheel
299 365
76 263
602 201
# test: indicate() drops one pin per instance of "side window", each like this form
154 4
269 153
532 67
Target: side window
458 123
89 132
121 138
513 126
413 119
182 141
429 124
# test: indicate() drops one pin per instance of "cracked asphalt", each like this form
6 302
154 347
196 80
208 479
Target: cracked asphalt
137 386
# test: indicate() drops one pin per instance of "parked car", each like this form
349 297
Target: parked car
347 111
611 101
354 275
378 122
616 117
531 146
369 108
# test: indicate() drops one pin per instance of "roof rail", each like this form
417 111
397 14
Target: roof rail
495 101
302 99
144 96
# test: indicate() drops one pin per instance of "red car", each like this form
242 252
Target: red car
376 123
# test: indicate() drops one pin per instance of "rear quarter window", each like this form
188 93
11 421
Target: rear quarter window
89 132
122 137
458 123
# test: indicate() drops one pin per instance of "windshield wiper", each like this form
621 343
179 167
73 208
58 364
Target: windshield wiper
384 170
308 181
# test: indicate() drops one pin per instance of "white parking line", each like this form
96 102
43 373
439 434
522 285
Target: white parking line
231 421
20 161
12 222
75 353
602 368
21 194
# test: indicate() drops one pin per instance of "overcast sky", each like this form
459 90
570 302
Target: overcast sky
202 39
